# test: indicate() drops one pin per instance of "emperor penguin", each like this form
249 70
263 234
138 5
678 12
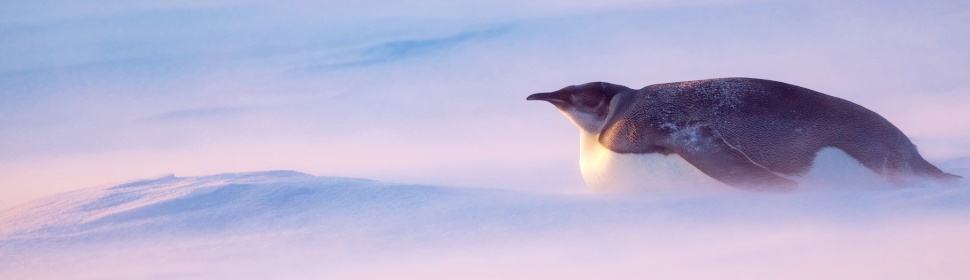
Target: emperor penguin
744 133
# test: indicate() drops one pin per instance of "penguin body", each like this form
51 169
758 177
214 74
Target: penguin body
740 132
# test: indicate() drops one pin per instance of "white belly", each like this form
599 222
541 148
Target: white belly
605 170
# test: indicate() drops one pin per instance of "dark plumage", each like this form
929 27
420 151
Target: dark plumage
747 133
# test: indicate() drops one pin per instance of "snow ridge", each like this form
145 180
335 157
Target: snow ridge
286 225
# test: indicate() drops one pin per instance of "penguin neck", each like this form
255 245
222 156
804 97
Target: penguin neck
587 122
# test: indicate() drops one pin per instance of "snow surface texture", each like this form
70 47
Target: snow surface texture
289 225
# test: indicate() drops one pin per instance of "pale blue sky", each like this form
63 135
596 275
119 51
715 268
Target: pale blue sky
97 92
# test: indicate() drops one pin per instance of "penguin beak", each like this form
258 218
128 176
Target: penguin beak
545 96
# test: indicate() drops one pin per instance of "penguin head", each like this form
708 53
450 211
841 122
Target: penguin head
587 105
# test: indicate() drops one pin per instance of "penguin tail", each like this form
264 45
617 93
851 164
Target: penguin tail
949 177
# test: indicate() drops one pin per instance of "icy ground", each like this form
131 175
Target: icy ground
289 225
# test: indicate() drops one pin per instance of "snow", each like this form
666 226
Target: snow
290 225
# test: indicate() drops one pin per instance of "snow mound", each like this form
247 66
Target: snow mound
217 203
273 200
286 224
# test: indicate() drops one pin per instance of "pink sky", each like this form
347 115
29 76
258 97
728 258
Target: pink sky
100 93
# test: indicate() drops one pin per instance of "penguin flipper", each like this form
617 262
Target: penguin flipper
702 146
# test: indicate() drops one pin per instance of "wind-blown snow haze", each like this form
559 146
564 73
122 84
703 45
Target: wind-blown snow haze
99 92
464 178
284 224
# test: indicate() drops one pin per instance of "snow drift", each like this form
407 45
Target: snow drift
285 224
